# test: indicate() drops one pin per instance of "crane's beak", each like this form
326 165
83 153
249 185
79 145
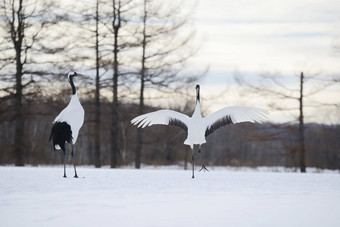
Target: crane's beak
82 75
78 74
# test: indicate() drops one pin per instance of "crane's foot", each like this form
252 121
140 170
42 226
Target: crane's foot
75 176
204 168
65 176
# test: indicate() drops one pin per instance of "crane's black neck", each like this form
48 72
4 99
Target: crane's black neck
197 95
72 85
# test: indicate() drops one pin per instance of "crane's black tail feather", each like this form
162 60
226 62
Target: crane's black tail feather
60 134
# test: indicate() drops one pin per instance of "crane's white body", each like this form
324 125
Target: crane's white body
196 129
197 126
73 115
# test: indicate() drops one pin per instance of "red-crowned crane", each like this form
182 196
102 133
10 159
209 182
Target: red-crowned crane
198 127
67 124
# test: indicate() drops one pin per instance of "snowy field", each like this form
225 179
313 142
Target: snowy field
31 196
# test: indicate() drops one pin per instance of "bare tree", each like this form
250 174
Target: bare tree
141 96
165 48
98 29
97 161
22 25
116 25
104 30
272 87
302 128
119 7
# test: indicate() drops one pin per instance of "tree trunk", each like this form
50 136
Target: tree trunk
114 139
97 161
19 121
301 129
139 142
186 159
17 38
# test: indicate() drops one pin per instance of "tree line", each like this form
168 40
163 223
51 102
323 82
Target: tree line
130 49
244 144
118 43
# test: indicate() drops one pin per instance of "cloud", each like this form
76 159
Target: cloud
267 35
275 36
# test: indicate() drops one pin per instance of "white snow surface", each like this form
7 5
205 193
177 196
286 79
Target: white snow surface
40 196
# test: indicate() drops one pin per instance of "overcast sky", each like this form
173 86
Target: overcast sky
268 35
252 37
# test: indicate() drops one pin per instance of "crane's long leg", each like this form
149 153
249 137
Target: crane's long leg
203 166
74 165
193 161
64 152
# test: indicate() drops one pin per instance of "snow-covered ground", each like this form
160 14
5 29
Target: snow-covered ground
40 196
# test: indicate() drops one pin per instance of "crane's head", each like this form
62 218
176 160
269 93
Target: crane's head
71 75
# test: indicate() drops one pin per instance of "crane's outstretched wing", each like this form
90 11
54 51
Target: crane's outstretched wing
162 117
233 115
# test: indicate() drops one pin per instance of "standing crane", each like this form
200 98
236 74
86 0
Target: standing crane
198 127
67 124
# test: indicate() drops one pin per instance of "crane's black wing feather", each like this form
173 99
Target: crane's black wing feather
176 122
232 115
219 123
60 134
